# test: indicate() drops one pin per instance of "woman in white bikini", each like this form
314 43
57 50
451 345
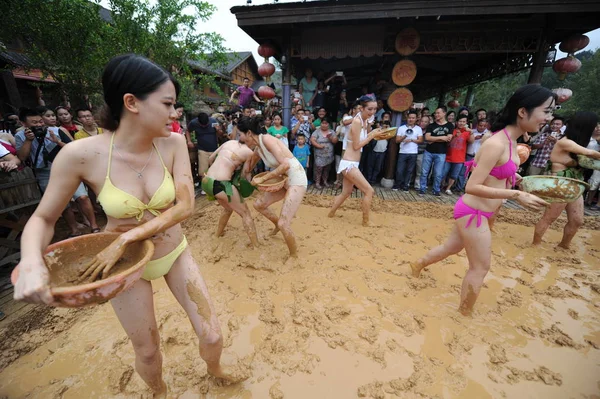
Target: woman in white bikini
359 136
277 156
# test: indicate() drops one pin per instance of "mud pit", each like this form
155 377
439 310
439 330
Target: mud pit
347 320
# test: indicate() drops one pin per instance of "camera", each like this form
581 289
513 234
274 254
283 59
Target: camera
39 132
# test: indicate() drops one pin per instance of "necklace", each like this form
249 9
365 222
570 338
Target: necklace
139 174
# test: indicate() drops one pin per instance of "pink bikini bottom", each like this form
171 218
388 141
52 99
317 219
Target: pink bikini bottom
461 209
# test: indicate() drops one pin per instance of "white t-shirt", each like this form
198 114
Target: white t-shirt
411 133
474 147
380 146
593 145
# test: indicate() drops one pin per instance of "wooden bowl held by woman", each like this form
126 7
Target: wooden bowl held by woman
554 188
588 163
66 261
272 185
388 133
524 151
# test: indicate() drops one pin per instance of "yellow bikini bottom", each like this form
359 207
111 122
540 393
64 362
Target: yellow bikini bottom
159 267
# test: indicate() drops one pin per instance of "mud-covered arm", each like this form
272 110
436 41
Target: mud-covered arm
574 148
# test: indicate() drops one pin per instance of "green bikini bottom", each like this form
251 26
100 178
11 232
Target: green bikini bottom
213 187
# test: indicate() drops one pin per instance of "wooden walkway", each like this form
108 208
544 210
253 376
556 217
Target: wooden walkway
413 196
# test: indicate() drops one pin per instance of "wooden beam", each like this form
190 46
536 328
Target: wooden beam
356 10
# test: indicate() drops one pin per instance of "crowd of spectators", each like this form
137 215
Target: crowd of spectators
433 147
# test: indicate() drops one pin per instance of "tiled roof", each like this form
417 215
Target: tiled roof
14 58
234 60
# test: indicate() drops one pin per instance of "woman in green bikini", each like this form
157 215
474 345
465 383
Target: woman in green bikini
226 182
563 162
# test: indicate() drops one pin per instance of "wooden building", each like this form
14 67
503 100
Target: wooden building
456 43
460 43
239 65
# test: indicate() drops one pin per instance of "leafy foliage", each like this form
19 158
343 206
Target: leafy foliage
585 84
70 41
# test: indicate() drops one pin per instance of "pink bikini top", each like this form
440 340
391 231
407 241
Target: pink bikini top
506 171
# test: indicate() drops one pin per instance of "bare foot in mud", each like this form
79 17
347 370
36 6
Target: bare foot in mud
416 268
563 248
292 261
230 374
162 394
274 232
465 312
331 214
366 223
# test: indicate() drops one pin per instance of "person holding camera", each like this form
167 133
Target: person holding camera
40 144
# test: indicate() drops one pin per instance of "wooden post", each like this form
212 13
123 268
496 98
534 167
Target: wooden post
286 91
539 59
442 97
391 157
469 97
10 85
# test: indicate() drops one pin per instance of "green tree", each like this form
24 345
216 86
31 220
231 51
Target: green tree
71 41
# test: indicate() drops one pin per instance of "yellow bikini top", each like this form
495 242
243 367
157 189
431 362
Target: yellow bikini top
122 205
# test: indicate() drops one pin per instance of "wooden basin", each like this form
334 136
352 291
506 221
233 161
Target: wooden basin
554 188
272 185
66 260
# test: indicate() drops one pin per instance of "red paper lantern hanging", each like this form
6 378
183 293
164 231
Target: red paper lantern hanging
566 65
266 69
453 104
266 92
562 94
574 43
266 50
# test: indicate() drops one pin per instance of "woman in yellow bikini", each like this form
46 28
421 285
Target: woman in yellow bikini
141 174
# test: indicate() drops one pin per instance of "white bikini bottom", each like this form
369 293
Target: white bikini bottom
296 174
347 165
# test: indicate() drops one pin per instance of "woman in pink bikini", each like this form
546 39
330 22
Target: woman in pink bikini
494 173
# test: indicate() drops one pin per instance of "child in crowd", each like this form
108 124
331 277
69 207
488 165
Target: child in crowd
302 152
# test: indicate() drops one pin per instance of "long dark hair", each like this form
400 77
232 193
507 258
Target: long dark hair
255 124
133 74
529 97
581 127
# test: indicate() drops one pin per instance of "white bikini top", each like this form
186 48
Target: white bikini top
363 131
268 158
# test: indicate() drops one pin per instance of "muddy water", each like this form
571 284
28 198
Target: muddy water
347 320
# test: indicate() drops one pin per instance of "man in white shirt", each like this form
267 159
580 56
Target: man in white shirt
409 136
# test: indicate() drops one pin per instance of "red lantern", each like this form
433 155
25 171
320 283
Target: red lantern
453 104
574 44
266 69
566 65
266 50
266 92
562 94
